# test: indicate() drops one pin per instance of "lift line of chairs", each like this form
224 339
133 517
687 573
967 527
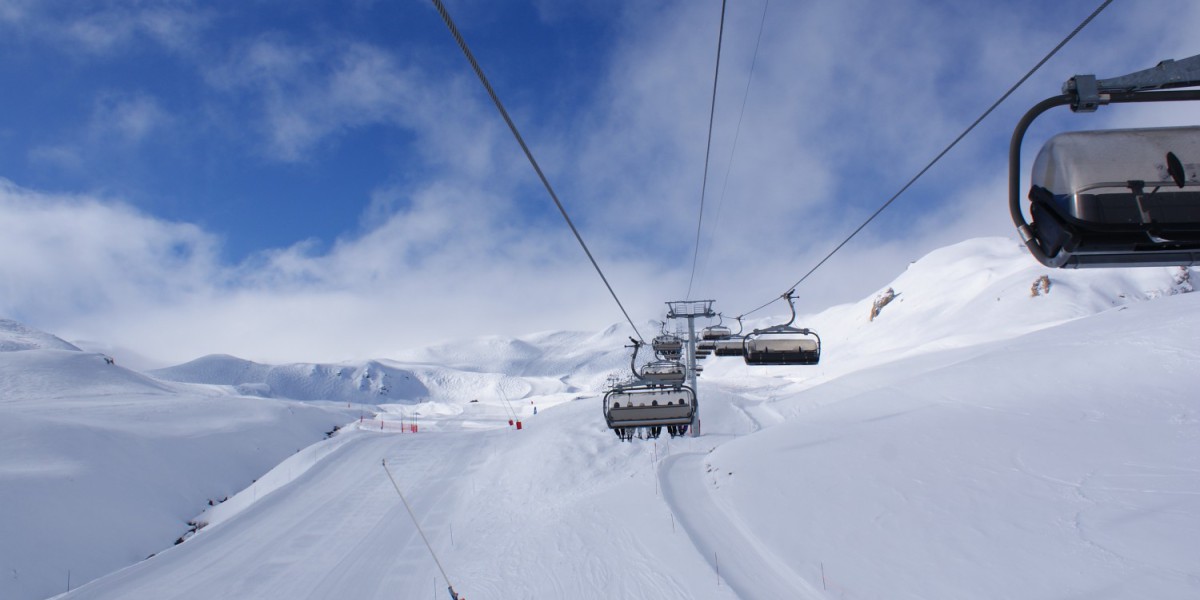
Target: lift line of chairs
1106 198
656 396
653 398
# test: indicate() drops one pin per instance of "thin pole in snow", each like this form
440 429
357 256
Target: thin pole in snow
717 565
654 474
823 577
68 580
418 525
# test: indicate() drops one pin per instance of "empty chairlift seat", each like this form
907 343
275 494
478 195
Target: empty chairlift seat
782 345
1119 197
731 346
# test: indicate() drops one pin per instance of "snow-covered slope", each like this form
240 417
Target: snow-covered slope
554 366
1060 463
14 337
971 441
369 382
561 354
972 292
101 466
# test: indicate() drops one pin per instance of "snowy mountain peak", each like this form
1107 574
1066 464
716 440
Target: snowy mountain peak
369 382
15 337
975 291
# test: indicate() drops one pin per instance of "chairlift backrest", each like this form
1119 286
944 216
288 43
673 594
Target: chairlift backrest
716 332
731 346
776 344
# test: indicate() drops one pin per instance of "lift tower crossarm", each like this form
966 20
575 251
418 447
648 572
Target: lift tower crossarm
1087 93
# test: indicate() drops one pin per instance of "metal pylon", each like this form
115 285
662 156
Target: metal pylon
690 309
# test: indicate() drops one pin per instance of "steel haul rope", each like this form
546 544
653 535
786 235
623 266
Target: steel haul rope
987 112
712 111
462 44
737 131
418 526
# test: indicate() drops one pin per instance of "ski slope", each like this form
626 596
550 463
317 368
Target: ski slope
973 441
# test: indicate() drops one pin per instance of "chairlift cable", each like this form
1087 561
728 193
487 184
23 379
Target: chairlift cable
416 523
509 410
462 44
968 130
736 134
712 111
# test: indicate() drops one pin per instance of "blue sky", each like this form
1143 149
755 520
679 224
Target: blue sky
327 180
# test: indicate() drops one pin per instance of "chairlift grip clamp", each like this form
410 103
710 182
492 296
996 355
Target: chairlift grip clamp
1085 93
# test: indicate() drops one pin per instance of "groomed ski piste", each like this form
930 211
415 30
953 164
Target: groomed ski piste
973 440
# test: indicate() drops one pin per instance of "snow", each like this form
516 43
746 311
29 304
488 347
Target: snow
366 383
14 336
973 440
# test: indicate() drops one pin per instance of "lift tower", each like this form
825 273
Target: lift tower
690 309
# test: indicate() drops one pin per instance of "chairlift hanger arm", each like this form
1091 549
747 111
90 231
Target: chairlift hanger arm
633 360
1088 92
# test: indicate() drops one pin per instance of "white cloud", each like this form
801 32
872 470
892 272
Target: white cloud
130 118
91 29
447 267
69 257
119 122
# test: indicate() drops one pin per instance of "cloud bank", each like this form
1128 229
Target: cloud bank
847 101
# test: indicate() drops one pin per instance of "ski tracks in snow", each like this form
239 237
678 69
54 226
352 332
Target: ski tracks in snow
741 560
337 531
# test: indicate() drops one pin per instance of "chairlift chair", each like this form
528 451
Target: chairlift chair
649 406
783 344
667 346
716 332
731 346
664 372
1114 198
